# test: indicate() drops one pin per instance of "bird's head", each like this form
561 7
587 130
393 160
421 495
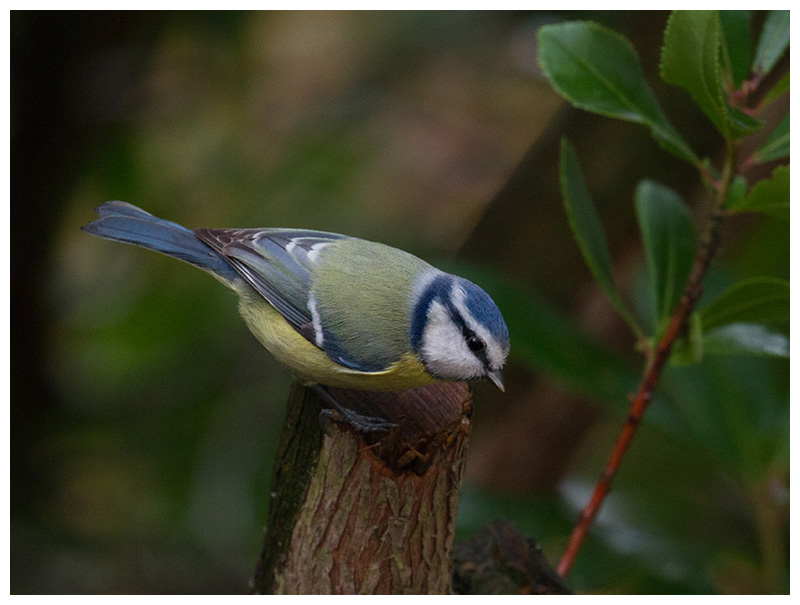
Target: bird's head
457 330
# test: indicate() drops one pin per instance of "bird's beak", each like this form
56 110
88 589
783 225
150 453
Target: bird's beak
496 376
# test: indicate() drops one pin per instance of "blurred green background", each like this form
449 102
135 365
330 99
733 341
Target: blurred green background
144 416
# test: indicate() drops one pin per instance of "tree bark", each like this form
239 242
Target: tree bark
498 559
367 514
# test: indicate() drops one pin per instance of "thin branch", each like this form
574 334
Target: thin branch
655 363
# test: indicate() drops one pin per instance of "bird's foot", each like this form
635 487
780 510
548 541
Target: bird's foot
339 413
361 423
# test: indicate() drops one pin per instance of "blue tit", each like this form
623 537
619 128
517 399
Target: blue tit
336 310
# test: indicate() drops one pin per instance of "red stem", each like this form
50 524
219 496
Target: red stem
656 361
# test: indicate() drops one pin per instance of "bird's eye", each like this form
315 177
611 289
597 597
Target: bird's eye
475 344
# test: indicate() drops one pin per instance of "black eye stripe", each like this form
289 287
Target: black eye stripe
440 290
479 348
459 320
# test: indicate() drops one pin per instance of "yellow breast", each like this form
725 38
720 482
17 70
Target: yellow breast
309 363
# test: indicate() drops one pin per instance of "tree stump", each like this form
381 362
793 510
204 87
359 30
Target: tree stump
498 559
367 514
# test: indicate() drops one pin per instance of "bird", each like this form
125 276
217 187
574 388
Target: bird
337 311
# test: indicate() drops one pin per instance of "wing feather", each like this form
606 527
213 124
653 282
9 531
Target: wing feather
277 263
280 265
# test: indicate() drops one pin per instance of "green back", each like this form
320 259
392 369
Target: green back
364 303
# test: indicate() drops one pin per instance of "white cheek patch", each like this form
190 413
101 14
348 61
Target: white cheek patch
443 348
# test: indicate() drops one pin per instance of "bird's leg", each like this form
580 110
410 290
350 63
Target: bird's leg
363 424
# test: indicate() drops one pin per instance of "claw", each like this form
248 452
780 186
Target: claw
361 423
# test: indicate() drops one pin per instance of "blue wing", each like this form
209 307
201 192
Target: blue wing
277 263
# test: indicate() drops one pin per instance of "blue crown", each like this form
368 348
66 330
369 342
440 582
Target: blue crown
479 304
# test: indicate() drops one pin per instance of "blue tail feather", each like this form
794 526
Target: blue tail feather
123 222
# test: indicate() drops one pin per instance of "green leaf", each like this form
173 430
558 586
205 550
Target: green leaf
669 243
598 70
756 300
588 230
773 42
737 43
737 191
769 196
777 91
690 58
777 145
745 338
723 394
689 350
742 124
